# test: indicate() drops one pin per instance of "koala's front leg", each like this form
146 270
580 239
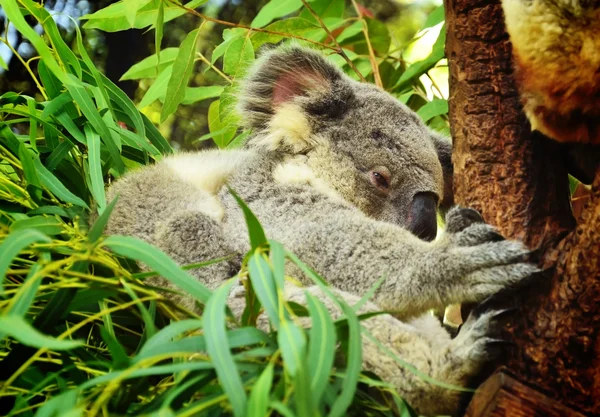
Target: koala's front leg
353 251
423 344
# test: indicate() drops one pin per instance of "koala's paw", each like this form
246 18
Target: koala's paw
483 261
466 227
478 342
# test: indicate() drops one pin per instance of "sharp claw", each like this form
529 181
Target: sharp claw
471 214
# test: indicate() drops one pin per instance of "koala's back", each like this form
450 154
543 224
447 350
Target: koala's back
186 182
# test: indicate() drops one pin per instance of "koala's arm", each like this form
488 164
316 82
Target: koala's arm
352 251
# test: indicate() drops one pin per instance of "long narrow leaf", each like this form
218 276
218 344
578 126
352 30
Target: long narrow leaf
139 250
219 351
18 328
55 186
321 346
95 167
13 244
180 76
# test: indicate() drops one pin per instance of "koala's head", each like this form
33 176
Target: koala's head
350 139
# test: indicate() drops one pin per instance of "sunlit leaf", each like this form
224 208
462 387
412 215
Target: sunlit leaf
180 74
274 9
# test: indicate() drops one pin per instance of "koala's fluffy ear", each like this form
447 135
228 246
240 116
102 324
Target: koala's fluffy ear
443 147
286 87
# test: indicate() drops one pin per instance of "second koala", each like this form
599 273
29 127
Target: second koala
348 179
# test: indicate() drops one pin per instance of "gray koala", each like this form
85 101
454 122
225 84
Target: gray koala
349 179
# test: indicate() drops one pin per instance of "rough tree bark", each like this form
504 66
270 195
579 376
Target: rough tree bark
518 181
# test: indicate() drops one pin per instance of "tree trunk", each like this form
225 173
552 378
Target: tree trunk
518 181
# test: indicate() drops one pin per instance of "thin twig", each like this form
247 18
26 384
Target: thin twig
340 50
271 32
369 46
218 71
26 65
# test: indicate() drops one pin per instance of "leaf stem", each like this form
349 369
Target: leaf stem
369 46
27 67
339 50
271 32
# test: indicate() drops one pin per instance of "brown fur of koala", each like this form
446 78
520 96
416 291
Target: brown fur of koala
556 50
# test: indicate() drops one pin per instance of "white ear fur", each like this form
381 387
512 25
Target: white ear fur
288 128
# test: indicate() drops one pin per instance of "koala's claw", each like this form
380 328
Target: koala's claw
478 339
476 234
459 218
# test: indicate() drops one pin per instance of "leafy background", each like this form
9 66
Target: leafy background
82 334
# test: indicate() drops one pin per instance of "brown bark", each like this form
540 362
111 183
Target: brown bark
518 180
558 334
515 178
503 396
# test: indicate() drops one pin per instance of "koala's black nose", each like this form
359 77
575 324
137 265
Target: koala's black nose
422 218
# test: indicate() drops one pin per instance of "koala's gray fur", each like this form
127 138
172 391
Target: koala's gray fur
308 174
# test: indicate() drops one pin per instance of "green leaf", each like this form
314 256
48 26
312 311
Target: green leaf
60 47
52 85
435 17
155 137
229 35
135 141
295 25
95 167
24 298
15 16
196 94
273 10
255 230
419 68
222 134
238 57
180 74
34 187
436 107
292 343
158 88
100 224
48 225
136 249
228 115
379 36
52 183
219 350
125 104
278 262
113 18
20 329
131 7
325 9
58 154
353 364
3 64
321 346
258 404
150 67
59 211
264 286
117 351
88 108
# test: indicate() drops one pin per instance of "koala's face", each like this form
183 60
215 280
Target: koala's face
364 145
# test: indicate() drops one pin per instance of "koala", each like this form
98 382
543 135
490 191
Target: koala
350 180
556 50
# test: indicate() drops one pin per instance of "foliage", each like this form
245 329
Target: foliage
81 331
